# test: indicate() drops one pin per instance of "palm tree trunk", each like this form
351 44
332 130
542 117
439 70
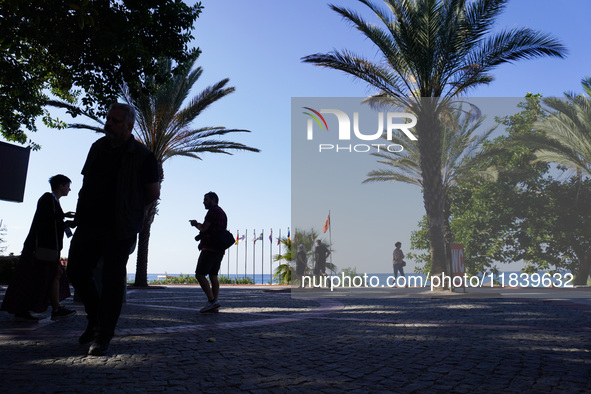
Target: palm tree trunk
435 221
447 236
141 267
429 142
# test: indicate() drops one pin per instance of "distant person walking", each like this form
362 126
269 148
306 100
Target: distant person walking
321 252
211 255
120 180
398 262
39 279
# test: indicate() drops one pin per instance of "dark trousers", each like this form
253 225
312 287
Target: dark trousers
320 268
86 249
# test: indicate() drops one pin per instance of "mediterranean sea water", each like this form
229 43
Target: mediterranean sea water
505 279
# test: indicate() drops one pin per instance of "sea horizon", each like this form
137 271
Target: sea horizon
505 278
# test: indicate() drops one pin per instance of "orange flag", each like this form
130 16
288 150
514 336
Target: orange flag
326 224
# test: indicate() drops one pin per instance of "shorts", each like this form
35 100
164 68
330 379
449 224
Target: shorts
209 262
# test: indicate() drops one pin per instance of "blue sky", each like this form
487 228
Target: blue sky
258 45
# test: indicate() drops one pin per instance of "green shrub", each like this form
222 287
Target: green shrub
225 280
176 280
244 281
191 280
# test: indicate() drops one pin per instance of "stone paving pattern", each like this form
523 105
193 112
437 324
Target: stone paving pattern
266 341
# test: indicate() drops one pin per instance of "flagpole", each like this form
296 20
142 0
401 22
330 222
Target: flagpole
236 273
245 251
262 256
271 258
330 238
228 262
254 236
279 243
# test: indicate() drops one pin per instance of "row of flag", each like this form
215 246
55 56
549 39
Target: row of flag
242 238
260 237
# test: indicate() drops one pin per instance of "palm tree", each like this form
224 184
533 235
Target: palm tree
460 157
566 140
285 272
164 125
432 51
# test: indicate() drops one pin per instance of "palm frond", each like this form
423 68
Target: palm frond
566 132
165 118
461 145
433 48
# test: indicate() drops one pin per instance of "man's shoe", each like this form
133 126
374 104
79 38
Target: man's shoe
86 337
25 317
61 312
210 306
99 347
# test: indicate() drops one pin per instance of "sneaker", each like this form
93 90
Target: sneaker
61 312
210 306
86 337
25 317
99 347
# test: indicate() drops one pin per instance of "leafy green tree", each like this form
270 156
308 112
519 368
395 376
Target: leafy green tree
565 139
526 215
462 141
485 213
433 50
82 50
556 233
164 121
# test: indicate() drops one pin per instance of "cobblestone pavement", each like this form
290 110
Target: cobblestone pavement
268 341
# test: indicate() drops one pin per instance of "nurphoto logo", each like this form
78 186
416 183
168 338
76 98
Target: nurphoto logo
395 122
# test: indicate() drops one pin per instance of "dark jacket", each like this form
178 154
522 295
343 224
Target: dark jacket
129 202
47 228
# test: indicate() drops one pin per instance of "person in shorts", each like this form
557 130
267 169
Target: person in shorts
212 253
